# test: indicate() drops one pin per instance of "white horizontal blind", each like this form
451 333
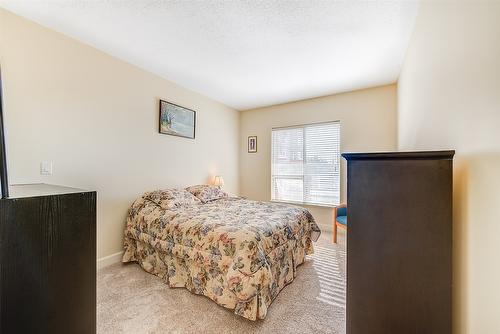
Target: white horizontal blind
305 164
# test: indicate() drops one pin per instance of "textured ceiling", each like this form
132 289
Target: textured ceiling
245 54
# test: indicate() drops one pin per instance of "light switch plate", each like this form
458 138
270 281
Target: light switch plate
46 168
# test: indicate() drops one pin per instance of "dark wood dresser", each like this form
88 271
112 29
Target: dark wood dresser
48 260
399 242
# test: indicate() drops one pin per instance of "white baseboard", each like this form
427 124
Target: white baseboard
109 260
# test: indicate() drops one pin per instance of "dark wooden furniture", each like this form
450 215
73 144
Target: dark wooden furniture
47 260
399 276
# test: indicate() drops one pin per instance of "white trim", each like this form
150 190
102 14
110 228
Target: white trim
305 203
302 125
109 260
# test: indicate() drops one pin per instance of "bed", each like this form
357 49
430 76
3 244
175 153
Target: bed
237 252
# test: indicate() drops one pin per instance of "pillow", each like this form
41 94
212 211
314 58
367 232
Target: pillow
171 198
207 193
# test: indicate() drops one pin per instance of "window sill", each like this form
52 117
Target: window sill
306 204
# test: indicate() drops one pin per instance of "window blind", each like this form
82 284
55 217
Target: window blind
305 164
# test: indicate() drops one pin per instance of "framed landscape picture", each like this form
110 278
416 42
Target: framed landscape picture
252 144
176 120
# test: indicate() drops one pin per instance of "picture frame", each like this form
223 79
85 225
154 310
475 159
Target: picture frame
252 144
176 120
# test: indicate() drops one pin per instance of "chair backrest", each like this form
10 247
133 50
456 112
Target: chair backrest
342 211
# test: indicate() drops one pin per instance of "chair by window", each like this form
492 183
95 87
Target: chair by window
339 219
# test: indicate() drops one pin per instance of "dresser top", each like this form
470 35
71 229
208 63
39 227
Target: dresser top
40 189
417 155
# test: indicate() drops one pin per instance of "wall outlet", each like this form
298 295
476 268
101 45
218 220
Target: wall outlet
46 168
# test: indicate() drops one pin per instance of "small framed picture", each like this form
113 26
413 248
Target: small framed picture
252 144
176 120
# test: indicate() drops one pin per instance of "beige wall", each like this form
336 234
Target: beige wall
449 97
96 118
368 123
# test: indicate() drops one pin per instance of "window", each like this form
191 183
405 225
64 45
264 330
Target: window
305 164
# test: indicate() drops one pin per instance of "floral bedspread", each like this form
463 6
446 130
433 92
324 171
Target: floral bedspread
237 252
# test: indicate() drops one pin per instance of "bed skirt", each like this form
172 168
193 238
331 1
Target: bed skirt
248 294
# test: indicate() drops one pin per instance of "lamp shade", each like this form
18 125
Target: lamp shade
218 181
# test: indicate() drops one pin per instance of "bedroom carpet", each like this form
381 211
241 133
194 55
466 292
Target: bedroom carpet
129 300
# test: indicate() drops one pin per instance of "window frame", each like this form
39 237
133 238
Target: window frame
301 177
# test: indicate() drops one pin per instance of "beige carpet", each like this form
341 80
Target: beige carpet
133 301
